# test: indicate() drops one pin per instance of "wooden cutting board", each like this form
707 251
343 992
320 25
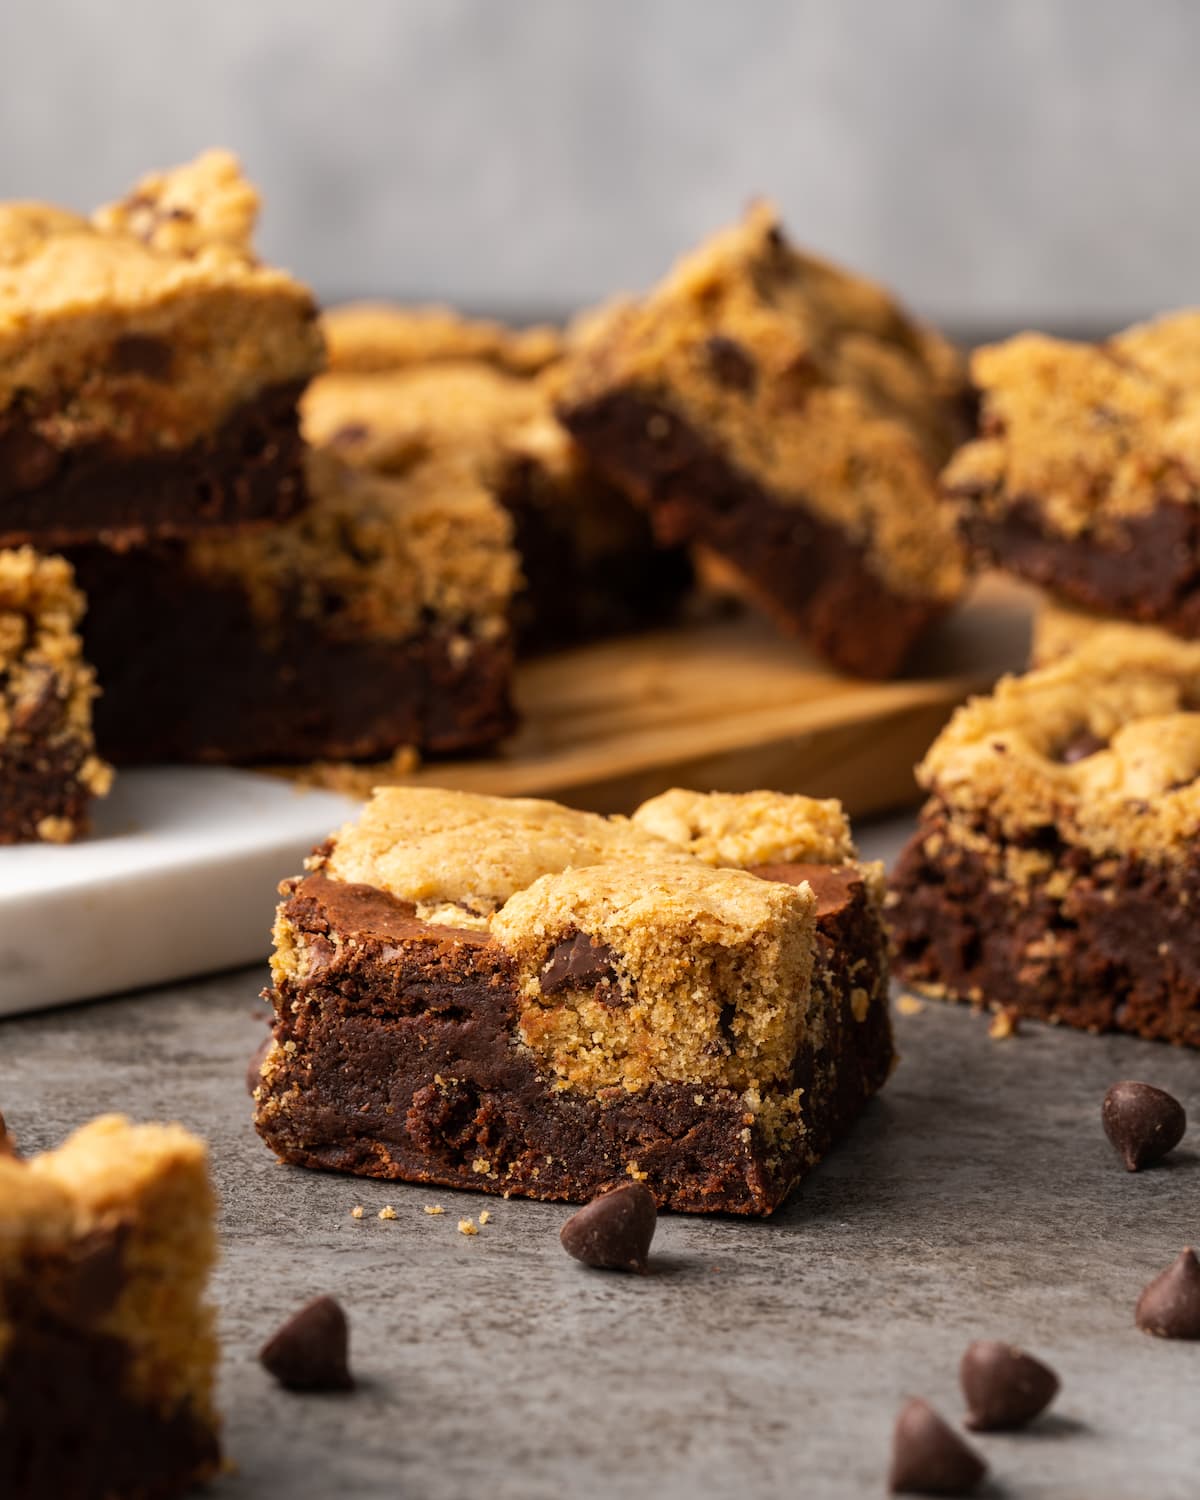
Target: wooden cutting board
730 706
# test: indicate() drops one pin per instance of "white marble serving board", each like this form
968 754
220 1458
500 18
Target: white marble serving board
178 879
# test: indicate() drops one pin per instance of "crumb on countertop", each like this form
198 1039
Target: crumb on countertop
485 1217
388 1212
357 1211
467 1226
1005 1023
434 1208
909 1005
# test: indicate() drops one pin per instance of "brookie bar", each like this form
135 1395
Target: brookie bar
149 366
510 996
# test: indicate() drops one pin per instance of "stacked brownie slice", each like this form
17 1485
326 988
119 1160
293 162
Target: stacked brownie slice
406 380
249 598
515 997
789 421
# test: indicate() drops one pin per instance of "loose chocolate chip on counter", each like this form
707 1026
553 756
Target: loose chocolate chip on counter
1081 747
1142 1122
580 962
1004 1387
929 1457
310 1351
614 1231
254 1066
1170 1305
732 365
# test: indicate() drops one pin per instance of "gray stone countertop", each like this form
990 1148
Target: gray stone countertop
977 1198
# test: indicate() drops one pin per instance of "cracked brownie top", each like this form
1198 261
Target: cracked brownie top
1100 749
149 323
1086 432
46 687
137 1200
378 553
811 380
369 337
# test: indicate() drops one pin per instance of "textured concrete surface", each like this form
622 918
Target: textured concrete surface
977 1198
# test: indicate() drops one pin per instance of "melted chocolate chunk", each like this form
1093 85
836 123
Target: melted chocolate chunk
1142 1122
929 1457
614 1231
580 962
1004 1387
731 363
1170 1306
1080 747
27 460
139 354
310 1352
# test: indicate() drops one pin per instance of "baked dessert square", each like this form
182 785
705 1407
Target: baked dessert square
1055 870
1083 476
789 419
511 996
590 565
375 619
1060 630
108 1349
49 769
149 365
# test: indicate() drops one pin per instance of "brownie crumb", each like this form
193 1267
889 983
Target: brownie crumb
388 1212
467 1226
434 1208
485 1217
357 1211
1005 1023
909 1005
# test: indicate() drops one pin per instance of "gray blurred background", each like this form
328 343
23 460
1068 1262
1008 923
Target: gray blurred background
1029 161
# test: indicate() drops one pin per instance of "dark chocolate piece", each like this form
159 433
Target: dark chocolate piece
929 1457
1126 950
310 1352
613 1232
582 962
808 573
1170 1305
190 673
1080 747
248 469
1142 1122
1004 1387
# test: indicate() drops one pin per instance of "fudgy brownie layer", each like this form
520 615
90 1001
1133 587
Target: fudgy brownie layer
68 1428
37 782
402 1051
577 592
811 576
1119 950
1143 567
248 469
189 673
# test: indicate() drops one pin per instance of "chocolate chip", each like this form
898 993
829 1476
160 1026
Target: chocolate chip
929 1457
1080 746
732 365
254 1066
1142 1122
309 1353
1170 1305
614 1231
27 460
1004 1387
578 963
